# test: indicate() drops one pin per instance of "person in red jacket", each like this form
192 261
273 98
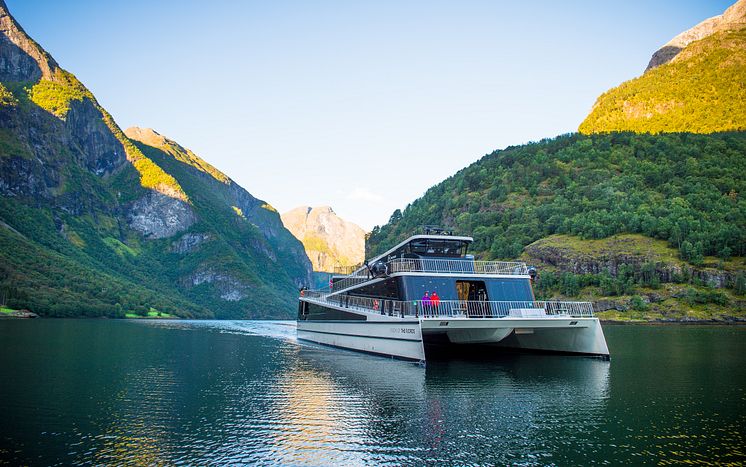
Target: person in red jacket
435 300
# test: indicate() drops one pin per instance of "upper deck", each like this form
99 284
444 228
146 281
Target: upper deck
429 254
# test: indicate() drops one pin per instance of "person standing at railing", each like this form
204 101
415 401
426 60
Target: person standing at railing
435 299
426 303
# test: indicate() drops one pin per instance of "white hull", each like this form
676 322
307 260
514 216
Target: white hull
401 339
406 338
555 334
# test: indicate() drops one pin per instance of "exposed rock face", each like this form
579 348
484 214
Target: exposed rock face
189 242
733 18
231 290
102 153
621 251
159 216
330 241
277 243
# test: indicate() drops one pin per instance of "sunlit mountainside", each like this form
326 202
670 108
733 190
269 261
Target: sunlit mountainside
694 84
98 223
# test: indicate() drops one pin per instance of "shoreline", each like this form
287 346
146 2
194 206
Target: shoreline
26 314
657 322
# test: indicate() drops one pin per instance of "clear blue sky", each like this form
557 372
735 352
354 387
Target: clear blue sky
357 105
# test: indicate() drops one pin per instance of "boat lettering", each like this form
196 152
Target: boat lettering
402 330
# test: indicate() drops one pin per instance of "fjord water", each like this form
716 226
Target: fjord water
208 392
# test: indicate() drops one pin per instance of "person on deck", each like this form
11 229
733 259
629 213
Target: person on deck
426 303
435 299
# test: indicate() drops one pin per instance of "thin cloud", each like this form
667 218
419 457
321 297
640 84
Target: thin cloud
364 194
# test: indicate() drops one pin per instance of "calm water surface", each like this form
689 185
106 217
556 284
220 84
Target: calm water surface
216 392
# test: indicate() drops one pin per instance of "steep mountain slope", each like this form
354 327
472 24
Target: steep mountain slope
92 223
696 83
330 241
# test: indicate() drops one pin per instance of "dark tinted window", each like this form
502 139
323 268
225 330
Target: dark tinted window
509 290
446 248
388 288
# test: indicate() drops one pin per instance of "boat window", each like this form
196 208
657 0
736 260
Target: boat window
388 288
322 313
415 287
510 290
430 247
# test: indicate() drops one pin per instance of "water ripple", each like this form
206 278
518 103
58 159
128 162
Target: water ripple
227 392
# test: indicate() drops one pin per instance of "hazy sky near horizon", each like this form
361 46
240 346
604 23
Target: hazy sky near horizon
358 105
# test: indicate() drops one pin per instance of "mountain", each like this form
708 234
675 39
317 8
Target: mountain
695 83
330 241
95 222
685 191
639 212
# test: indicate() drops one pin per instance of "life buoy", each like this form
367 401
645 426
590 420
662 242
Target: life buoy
375 304
302 292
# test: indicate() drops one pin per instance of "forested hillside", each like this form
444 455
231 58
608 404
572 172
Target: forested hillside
686 189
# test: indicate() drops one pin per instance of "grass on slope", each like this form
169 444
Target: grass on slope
702 91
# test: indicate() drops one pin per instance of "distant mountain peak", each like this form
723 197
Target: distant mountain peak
733 18
329 240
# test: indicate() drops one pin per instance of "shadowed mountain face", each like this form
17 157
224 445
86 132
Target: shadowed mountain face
694 84
330 241
98 223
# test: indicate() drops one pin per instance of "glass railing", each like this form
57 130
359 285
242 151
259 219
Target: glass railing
456 308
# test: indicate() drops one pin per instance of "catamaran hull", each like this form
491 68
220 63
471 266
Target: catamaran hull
399 339
582 336
407 339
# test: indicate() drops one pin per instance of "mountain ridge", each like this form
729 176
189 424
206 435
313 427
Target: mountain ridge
734 17
699 87
136 224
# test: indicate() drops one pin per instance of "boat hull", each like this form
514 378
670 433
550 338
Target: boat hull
407 337
399 339
566 335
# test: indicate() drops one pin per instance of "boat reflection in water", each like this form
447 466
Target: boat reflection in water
345 407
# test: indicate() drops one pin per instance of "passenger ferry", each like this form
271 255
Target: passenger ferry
427 294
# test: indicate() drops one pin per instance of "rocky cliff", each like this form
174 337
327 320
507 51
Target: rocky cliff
694 84
734 18
330 241
93 222
627 274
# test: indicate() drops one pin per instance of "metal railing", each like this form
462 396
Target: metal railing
456 308
350 281
435 266
458 266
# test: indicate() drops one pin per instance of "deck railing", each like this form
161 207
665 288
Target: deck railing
434 266
456 308
458 266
